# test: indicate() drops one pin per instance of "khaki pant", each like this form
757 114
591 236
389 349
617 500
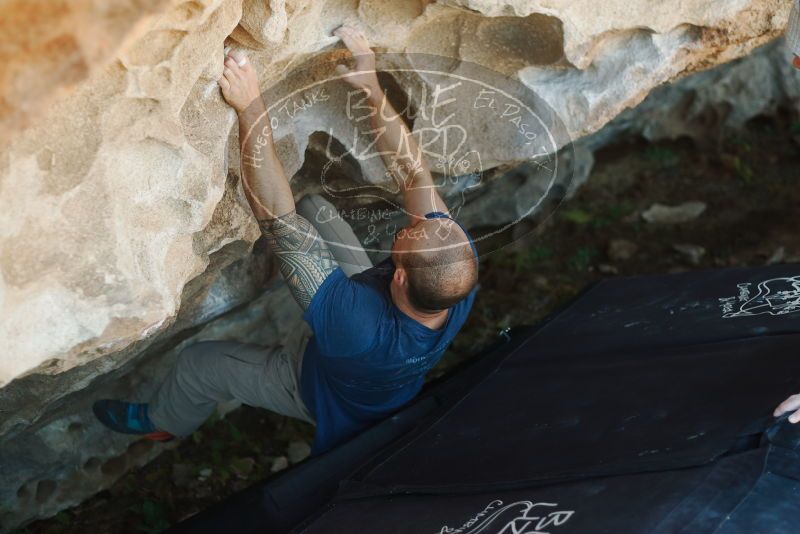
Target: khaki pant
209 372
268 377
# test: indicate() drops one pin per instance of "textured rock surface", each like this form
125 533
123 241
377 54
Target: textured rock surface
53 45
122 225
702 105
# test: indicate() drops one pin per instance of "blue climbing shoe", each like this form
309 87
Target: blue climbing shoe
128 418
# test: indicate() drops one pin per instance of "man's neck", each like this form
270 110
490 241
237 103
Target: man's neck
433 320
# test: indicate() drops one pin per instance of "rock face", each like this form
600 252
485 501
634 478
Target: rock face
702 105
123 227
49 47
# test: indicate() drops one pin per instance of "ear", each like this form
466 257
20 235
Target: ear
399 277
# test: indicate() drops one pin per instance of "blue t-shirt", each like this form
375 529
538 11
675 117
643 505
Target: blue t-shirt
366 358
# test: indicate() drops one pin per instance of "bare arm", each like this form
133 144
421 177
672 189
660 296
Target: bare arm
263 178
399 149
402 156
304 258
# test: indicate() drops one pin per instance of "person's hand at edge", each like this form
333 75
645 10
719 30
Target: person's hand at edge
364 76
239 81
792 404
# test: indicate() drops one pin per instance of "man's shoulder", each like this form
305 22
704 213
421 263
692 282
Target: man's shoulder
361 297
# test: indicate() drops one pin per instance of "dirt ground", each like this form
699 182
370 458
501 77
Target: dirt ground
750 182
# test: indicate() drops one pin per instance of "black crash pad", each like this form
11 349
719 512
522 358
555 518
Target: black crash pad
643 406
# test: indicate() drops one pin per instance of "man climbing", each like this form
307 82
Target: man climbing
375 334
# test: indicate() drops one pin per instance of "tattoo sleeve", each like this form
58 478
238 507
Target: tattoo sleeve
303 257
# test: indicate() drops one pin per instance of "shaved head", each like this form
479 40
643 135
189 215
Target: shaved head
439 263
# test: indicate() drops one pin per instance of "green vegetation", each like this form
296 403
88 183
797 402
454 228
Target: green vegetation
600 216
582 258
154 517
662 156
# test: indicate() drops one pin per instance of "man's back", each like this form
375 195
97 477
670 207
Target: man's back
367 358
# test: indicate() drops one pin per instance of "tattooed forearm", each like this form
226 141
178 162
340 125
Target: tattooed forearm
304 258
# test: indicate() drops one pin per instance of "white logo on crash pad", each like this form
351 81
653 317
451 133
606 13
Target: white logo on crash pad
522 517
776 296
